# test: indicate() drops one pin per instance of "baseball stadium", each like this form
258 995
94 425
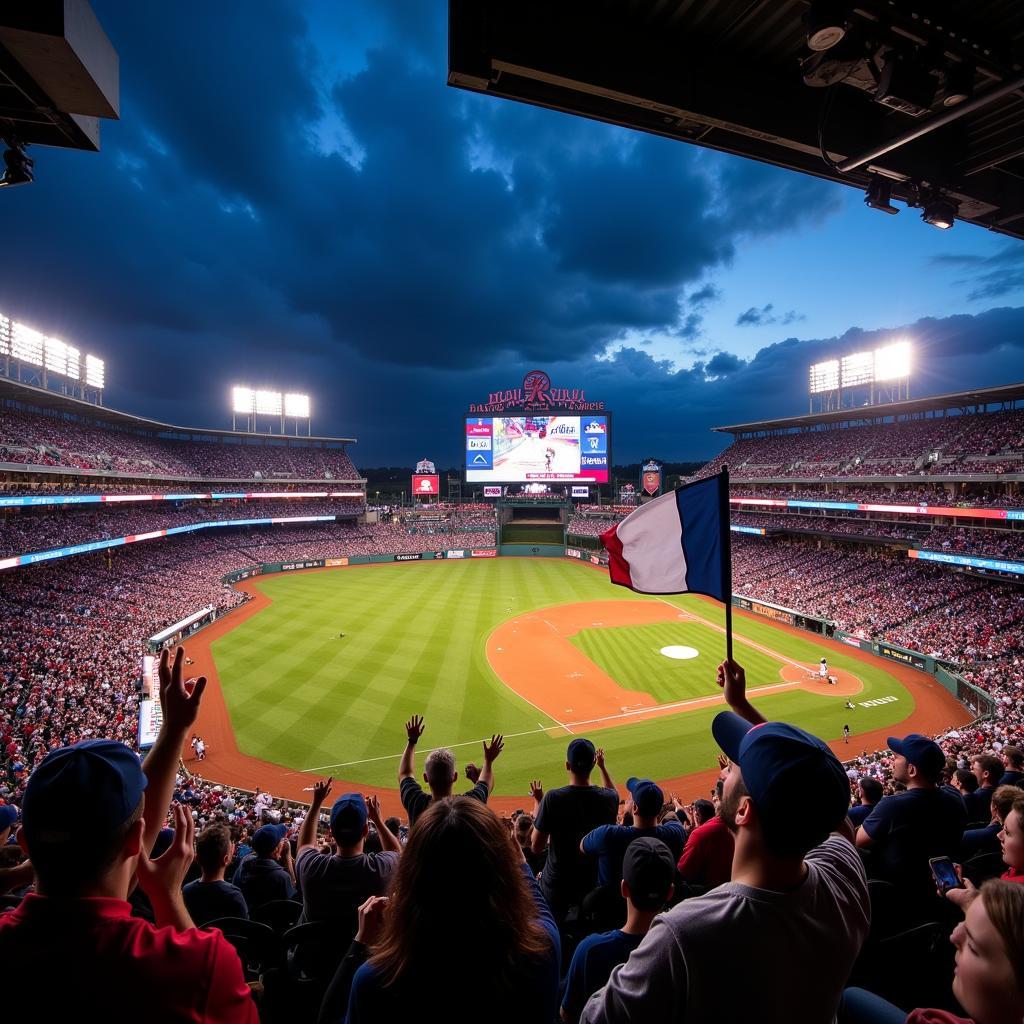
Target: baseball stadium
618 706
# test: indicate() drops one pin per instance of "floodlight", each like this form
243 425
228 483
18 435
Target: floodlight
959 84
243 400
826 25
893 361
18 166
297 406
5 336
55 356
26 344
94 372
940 213
268 403
858 368
74 360
824 376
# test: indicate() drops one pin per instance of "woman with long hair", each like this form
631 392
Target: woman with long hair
467 934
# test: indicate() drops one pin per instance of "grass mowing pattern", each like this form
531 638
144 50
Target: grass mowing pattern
415 639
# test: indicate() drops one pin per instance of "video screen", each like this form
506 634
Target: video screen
543 449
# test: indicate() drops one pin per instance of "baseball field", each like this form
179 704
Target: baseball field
538 649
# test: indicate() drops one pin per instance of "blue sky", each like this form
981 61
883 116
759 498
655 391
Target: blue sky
294 198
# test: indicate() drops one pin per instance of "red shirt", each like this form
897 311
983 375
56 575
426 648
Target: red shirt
1012 875
90 956
707 856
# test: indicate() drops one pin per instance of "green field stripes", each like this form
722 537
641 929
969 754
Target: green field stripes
415 638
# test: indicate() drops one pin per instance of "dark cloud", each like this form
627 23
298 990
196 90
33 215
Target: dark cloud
755 317
722 364
989 277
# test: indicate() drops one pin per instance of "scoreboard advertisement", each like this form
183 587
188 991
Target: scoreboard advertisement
426 483
538 449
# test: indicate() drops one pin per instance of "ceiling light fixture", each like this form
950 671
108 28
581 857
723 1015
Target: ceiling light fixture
826 25
19 165
940 213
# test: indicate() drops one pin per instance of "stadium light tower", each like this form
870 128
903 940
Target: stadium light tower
253 403
892 369
29 356
296 407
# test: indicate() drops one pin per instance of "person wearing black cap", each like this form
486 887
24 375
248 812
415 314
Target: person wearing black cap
648 869
335 885
267 874
563 817
609 842
785 932
905 830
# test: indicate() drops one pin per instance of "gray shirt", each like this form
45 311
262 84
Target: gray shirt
739 954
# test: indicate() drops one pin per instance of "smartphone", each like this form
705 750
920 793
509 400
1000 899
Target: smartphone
944 874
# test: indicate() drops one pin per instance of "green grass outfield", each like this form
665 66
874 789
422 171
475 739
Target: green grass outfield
415 643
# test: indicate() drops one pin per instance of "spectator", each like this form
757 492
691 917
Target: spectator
460 880
706 861
986 839
609 842
797 906
73 945
965 783
870 792
210 897
268 873
1013 764
988 770
797 909
562 817
334 886
907 829
523 824
8 819
989 978
439 772
648 868
1012 840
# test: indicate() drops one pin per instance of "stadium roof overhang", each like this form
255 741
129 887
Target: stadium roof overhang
58 74
43 398
978 398
923 98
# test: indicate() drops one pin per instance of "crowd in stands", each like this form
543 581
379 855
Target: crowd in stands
894 495
34 439
887 449
586 908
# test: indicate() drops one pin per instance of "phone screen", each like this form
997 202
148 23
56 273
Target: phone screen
944 873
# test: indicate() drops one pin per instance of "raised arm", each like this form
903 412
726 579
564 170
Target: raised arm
308 829
491 752
388 840
413 731
606 779
180 703
733 681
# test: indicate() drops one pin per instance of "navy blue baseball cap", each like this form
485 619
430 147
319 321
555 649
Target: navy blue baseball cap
103 776
8 816
266 838
647 796
581 754
649 870
797 784
920 751
348 818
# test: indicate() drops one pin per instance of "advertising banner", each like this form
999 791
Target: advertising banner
455 554
573 553
428 484
580 492
489 553
650 478
902 655
333 562
492 492
409 558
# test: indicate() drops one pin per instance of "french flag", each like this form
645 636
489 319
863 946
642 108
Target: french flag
676 544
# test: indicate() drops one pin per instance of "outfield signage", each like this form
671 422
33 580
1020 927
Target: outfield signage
455 554
316 563
906 510
493 492
579 491
758 531
426 484
335 562
573 553
488 553
900 654
409 558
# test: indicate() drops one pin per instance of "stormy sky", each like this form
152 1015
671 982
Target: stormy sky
293 198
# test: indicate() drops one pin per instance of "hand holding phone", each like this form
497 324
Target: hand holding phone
945 874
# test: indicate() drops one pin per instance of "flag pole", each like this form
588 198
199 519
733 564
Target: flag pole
723 494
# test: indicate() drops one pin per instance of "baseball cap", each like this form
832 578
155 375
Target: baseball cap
581 754
8 816
920 751
348 817
797 784
647 796
103 776
648 869
266 838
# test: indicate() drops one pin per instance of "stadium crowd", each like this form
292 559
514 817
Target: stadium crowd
888 495
34 439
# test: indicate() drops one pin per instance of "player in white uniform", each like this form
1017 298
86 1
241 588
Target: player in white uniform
823 669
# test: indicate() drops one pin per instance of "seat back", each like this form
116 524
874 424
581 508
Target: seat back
279 915
257 946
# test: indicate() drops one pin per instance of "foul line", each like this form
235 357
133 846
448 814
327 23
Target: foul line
709 700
